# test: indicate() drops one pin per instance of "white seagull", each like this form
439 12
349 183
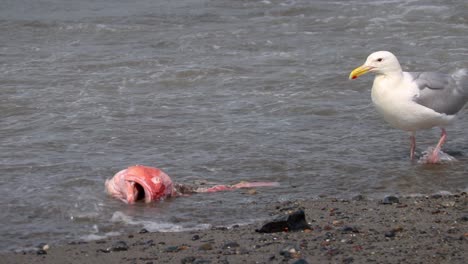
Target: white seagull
413 101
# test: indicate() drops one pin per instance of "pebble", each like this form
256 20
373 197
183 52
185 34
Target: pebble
358 197
337 222
464 218
251 191
349 229
300 261
195 237
187 260
390 200
118 246
143 231
172 249
289 252
41 252
206 246
390 233
449 204
231 245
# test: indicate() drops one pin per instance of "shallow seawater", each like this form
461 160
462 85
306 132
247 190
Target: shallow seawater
220 91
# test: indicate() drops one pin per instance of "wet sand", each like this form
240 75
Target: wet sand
427 229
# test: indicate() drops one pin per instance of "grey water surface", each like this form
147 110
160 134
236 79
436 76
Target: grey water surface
218 91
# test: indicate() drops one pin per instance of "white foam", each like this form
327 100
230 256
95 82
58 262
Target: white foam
153 226
92 237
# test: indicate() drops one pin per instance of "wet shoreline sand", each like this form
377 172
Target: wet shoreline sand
425 229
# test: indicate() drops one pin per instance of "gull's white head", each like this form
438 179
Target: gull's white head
380 62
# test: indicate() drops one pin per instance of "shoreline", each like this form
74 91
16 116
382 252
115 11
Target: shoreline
421 229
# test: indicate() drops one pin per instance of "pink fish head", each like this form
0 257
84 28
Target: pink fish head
140 182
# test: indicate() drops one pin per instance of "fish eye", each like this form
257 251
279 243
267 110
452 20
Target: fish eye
379 59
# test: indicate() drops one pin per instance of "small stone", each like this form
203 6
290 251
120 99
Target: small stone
358 197
390 233
119 246
251 191
41 252
337 222
390 200
143 231
172 249
300 261
206 246
289 252
204 261
195 237
464 218
348 229
76 242
231 245
449 204
188 260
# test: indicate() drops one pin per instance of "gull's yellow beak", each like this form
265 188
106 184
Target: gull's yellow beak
359 71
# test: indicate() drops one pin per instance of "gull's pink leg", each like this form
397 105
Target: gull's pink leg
434 157
413 144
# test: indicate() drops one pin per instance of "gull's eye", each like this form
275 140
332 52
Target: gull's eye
379 59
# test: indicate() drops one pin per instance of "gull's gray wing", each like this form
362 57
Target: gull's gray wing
443 93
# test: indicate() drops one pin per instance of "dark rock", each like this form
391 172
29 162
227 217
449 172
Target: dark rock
77 243
436 196
390 200
300 261
292 222
358 197
202 261
41 252
188 260
231 245
464 218
143 231
172 249
348 229
195 237
390 233
119 246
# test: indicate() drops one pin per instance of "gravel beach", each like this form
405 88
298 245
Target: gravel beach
423 229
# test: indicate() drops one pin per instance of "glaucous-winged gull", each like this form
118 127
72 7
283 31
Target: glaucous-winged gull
413 101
